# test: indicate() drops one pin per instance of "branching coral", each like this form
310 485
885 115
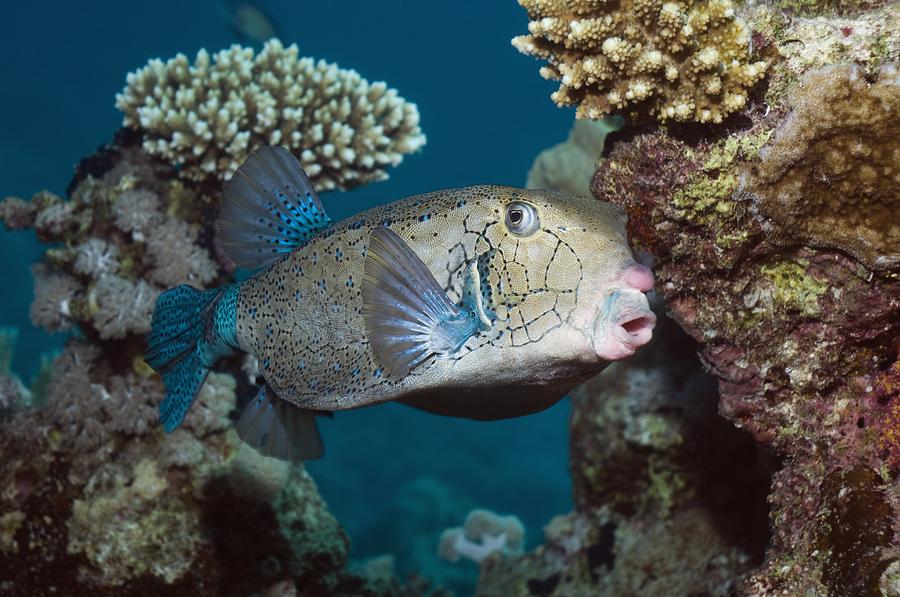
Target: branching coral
206 117
677 60
831 173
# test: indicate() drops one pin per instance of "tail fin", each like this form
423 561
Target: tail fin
178 347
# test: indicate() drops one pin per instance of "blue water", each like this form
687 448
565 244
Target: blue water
390 472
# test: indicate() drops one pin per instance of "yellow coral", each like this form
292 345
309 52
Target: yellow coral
679 60
206 117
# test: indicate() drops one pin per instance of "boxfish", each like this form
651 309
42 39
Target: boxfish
485 302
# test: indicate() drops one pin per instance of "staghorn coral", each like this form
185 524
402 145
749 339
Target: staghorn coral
670 61
206 117
831 172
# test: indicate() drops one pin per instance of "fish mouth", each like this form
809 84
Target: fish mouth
624 324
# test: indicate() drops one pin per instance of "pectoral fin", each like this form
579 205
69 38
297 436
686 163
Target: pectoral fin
408 316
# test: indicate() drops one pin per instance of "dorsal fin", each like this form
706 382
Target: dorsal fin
269 208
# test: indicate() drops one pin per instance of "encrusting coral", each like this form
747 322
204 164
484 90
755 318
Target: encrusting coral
663 505
207 117
671 61
774 243
831 172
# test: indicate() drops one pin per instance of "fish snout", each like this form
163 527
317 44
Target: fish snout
635 329
639 277
624 324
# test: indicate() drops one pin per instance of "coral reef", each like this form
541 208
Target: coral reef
129 231
670 61
206 117
776 247
669 498
569 166
94 497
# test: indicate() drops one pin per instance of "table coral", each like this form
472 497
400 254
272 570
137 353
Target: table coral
670 61
206 117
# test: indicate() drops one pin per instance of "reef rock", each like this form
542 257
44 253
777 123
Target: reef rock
96 498
776 246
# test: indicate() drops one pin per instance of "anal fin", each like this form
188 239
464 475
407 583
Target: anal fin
278 429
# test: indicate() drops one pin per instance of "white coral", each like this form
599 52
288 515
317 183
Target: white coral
176 256
208 116
96 257
54 292
121 307
484 533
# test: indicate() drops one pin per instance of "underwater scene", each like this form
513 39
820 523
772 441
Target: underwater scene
511 298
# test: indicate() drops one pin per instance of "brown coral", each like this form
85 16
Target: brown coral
831 173
677 60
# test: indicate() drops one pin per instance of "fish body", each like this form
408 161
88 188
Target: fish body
249 21
484 302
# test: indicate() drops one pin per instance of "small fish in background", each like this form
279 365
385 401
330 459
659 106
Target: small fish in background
484 302
249 21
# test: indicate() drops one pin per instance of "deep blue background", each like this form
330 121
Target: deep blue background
486 113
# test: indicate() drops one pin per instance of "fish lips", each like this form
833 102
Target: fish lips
623 324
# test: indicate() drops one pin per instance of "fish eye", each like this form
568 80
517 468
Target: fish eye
522 218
